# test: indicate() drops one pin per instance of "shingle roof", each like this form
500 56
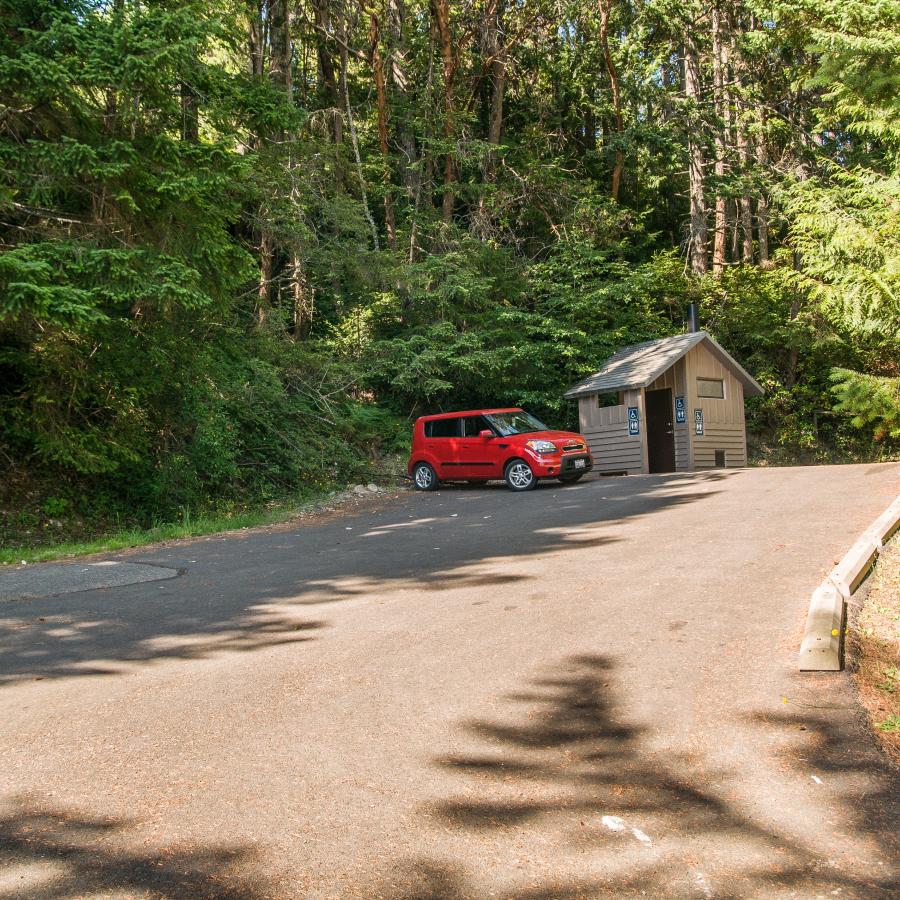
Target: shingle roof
641 364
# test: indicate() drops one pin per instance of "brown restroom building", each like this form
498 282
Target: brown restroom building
672 405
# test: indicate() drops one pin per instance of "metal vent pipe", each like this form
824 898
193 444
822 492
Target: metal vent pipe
693 325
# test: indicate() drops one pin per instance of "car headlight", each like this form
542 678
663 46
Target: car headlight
541 446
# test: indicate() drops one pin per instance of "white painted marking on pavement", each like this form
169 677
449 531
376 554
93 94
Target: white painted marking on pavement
643 838
408 524
614 823
703 884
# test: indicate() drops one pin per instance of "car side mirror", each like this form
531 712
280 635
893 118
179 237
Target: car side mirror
486 434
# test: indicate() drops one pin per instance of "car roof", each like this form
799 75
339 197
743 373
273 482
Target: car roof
470 412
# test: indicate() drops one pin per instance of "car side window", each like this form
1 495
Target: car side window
474 425
442 428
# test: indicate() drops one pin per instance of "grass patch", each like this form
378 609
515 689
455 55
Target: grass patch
168 531
876 647
42 520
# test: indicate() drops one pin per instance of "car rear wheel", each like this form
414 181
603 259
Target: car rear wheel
424 477
570 479
519 475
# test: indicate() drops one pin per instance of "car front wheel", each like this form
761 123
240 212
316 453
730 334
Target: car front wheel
424 477
519 476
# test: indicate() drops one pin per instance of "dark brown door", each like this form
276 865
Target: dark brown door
660 431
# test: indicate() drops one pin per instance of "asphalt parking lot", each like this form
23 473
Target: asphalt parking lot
580 691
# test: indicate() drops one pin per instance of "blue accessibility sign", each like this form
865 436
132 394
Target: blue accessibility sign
679 410
634 422
698 421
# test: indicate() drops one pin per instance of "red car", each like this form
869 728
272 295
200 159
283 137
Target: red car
484 444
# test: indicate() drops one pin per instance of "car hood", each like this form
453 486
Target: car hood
558 437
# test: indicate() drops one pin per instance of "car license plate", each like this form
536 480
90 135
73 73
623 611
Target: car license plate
579 463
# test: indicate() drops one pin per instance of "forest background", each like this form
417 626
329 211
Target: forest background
242 243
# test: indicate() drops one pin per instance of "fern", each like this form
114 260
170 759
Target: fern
873 401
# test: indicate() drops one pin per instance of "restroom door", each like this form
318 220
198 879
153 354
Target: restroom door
660 430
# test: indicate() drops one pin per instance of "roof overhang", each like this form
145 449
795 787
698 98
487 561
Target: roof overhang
601 383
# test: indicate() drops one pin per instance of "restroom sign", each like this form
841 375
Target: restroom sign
698 421
679 410
634 422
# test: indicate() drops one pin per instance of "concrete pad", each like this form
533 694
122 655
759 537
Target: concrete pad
820 650
886 524
849 573
52 579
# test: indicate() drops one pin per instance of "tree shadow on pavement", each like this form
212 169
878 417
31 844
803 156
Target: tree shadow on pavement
831 740
247 591
47 853
568 789
65 645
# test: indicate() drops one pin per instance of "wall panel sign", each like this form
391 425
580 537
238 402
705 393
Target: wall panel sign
698 421
634 426
679 410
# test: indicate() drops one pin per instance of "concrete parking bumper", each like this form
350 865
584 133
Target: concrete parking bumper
821 649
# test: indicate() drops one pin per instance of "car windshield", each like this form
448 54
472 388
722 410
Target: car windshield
515 423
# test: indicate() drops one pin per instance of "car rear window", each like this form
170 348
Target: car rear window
442 428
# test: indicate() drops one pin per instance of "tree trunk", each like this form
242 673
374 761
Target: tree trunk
743 153
495 63
326 78
282 51
270 43
736 229
498 87
303 299
266 258
605 7
422 177
762 206
399 81
257 37
256 45
441 14
697 249
190 114
718 65
793 357
111 110
744 203
354 140
377 62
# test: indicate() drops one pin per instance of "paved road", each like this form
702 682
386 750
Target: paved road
579 692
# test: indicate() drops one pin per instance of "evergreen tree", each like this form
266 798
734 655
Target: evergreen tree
240 244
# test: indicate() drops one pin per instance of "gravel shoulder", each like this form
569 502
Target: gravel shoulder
875 648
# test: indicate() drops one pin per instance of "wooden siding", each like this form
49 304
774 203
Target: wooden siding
723 420
635 397
614 450
729 438
606 430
